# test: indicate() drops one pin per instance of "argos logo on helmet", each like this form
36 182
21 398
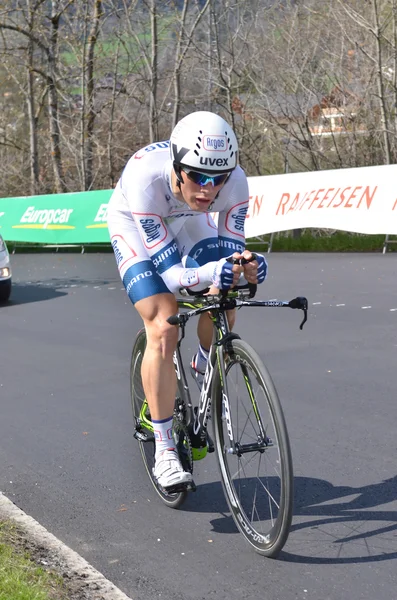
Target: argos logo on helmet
215 142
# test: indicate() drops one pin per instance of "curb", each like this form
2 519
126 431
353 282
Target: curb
68 559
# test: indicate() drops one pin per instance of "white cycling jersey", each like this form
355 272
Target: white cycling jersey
160 244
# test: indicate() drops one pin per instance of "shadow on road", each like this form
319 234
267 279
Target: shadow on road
327 520
23 293
38 291
357 533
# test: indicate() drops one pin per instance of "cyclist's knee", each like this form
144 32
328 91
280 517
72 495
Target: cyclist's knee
161 336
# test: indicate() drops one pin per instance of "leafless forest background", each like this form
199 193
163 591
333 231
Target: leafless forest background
307 84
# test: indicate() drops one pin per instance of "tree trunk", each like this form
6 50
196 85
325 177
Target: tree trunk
380 85
395 68
33 146
53 102
184 42
92 39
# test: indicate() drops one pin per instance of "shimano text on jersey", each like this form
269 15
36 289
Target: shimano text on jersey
165 254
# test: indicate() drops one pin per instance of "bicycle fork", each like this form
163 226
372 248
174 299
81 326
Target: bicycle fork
263 441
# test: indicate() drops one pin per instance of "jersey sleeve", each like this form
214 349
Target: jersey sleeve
231 221
143 190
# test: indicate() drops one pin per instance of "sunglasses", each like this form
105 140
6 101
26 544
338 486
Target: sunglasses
203 178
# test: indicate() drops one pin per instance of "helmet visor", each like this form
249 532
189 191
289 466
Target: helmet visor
204 178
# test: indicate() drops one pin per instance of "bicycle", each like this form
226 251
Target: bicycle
260 499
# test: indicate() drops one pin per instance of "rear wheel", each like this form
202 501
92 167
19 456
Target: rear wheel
253 450
144 429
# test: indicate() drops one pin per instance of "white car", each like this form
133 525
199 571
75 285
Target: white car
5 272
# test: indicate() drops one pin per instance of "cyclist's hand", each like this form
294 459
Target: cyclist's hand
254 271
226 274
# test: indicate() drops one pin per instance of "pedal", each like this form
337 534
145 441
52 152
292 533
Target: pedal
141 436
179 488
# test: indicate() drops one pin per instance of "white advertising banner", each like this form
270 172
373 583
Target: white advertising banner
362 200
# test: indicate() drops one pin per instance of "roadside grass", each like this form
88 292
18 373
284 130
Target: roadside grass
20 577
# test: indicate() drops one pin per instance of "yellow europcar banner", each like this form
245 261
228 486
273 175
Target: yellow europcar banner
73 218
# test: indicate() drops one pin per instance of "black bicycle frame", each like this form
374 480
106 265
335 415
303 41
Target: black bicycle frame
198 421
217 306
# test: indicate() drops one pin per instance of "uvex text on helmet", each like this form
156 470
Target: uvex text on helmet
205 142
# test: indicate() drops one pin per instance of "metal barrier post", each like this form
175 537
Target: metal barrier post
387 242
260 239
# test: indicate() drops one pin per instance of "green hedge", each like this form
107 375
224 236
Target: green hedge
339 241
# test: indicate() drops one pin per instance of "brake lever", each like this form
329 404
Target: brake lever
301 303
304 318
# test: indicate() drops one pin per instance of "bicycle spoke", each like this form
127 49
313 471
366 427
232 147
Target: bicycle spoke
259 480
252 418
249 420
257 463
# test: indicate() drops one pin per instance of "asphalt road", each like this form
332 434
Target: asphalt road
67 456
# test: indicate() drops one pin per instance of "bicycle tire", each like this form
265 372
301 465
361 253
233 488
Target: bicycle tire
141 415
265 518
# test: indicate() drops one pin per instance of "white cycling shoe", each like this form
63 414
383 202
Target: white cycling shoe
168 470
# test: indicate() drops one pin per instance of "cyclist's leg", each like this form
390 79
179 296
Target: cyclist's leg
158 374
159 383
154 303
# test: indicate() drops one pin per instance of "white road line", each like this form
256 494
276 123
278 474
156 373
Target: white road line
340 305
314 303
393 309
365 307
68 559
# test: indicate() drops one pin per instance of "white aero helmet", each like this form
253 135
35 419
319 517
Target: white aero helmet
203 142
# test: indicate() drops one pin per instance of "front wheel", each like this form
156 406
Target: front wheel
143 425
253 450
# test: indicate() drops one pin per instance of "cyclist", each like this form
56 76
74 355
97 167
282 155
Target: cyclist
164 238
